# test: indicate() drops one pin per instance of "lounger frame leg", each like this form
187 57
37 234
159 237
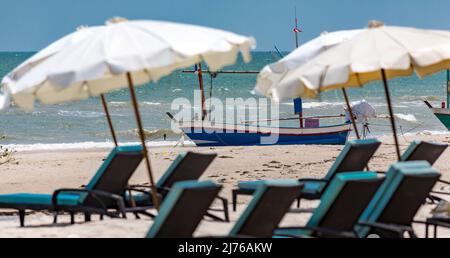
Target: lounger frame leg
235 195
72 218
87 217
22 218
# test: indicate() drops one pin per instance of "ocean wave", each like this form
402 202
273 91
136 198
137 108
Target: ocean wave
149 103
152 134
308 105
427 132
406 117
86 145
77 113
128 104
420 98
118 104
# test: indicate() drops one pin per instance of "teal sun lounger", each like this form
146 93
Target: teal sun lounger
183 209
186 167
104 192
188 202
354 157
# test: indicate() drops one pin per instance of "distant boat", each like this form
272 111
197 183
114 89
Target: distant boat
443 113
246 135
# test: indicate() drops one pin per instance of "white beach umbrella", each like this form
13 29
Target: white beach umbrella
37 58
377 53
148 50
271 74
122 54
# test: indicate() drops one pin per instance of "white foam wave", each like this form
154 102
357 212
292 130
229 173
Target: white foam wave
308 105
406 117
87 114
85 145
427 132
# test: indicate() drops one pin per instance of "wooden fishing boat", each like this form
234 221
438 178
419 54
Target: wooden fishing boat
245 135
204 133
443 113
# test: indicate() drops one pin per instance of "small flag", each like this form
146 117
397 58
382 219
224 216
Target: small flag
297 30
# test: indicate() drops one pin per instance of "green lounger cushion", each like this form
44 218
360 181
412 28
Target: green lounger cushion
41 199
308 187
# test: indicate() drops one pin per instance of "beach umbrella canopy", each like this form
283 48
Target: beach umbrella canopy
272 74
148 50
121 54
69 40
377 53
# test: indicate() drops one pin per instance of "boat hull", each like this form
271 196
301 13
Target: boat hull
226 135
443 115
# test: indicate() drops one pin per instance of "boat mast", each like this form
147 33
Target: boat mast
298 102
198 69
448 89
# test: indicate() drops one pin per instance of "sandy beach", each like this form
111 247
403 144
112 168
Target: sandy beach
43 172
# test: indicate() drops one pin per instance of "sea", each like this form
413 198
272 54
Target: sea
82 124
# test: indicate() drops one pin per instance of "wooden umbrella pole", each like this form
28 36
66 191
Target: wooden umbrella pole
113 134
108 117
142 136
391 113
350 111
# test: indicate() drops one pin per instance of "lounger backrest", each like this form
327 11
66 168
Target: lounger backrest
427 151
399 198
183 209
354 157
344 201
115 172
187 166
270 203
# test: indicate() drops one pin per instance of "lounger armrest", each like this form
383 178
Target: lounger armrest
327 231
129 189
313 180
95 194
381 172
400 229
444 182
162 190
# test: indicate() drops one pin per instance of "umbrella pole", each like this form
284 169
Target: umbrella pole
391 113
142 136
349 107
113 134
108 117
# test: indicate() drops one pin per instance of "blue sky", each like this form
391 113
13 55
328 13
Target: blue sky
29 25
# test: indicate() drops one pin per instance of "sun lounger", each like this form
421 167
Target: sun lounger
341 206
186 167
354 157
271 201
391 212
104 192
421 150
183 209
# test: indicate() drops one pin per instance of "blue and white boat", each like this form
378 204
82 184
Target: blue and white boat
204 134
